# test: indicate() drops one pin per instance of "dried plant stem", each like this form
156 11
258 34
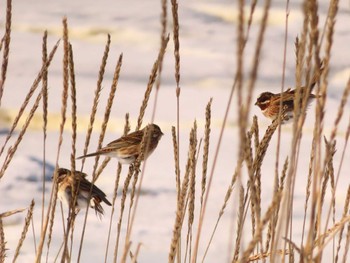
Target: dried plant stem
96 98
102 134
53 196
45 110
29 95
7 40
25 230
116 185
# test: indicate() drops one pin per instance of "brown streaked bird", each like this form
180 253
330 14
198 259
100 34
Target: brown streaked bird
65 182
127 148
269 103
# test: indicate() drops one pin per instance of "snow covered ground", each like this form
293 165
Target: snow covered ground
208 58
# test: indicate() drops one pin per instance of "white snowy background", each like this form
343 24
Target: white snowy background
208 58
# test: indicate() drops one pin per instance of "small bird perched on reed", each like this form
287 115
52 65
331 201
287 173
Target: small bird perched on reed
269 103
65 183
127 148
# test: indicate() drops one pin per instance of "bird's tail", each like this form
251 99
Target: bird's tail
88 155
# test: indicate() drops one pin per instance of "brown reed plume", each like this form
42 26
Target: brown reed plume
7 40
180 211
25 230
96 98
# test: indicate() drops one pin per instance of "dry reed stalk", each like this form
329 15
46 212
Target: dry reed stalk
65 70
29 95
272 229
7 40
329 235
206 147
12 150
265 255
240 224
96 98
255 131
108 110
222 210
74 138
177 168
347 244
25 230
53 197
134 257
122 206
12 212
2 243
45 110
101 137
102 166
191 194
152 78
116 185
258 234
345 212
180 210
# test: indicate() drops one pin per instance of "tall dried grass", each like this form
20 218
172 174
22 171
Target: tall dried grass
261 233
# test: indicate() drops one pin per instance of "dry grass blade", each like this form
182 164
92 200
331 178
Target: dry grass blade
29 95
347 244
25 230
262 256
96 98
7 40
240 223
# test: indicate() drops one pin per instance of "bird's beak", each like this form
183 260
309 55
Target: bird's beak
256 103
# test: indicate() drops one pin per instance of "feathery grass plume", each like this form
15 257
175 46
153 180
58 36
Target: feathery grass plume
177 168
45 107
345 212
116 185
29 95
7 40
101 137
180 210
258 234
25 230
206 147
240 224
96 98
191 193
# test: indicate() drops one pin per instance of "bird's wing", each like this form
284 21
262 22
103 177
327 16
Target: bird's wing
130 139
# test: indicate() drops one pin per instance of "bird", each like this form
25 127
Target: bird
65 181
269 103
128 147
